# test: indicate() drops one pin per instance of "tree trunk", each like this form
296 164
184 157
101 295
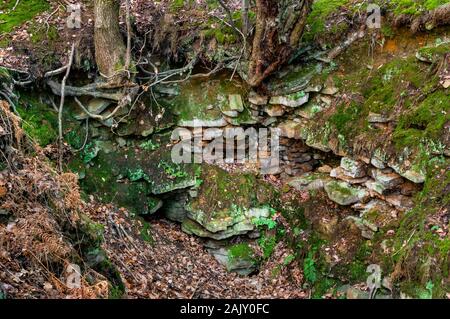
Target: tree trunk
279 28
110 50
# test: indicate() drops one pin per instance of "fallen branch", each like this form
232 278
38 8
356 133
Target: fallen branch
61 105
341 47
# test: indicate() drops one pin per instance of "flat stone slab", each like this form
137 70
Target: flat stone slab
257 99
344 194
291 100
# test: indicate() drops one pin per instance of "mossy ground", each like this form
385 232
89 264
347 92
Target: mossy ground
421 255
40 121
24 12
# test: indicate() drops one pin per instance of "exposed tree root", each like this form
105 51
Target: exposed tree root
431 19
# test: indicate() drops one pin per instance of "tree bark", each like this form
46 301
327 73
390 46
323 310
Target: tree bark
110 50
279 28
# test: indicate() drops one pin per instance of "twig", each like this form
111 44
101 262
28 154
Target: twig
15 6
405 244
85 137
61 105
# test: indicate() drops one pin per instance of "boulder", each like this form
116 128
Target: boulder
415 175
238 258
290 129
330 90
377 118
375 186
400 201
387 180
309 181
343 175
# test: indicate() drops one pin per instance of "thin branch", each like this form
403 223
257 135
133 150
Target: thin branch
61 105
15 6
229 14
56 72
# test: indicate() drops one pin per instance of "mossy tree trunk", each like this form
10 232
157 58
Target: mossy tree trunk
279 28
110 50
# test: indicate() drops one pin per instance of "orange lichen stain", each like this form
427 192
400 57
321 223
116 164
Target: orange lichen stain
391 46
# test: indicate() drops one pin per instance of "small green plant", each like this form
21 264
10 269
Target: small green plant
173 170
309 268
90 152
149 145
428 293
137 174
267 244
264 221
289 258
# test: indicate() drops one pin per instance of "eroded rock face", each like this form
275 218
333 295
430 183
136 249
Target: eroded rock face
236 258
226 204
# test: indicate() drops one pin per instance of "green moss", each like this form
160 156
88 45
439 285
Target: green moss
40 121
357 270
241 251
422 254
203 100
346 117
426 121
321 10
149 145
267 244
25 11
434 53
76 136
387 31
40 33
